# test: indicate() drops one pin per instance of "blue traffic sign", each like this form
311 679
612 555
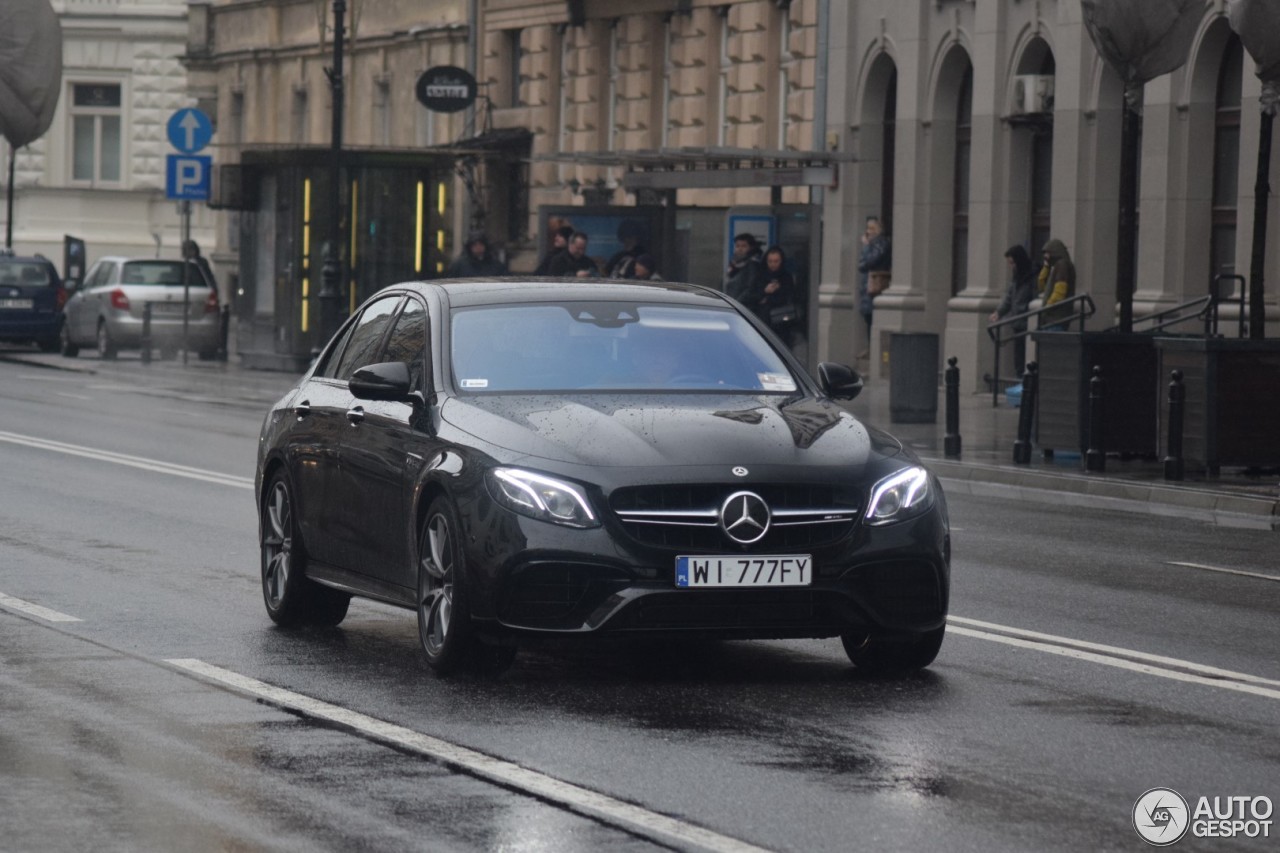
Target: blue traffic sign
187 177
189 130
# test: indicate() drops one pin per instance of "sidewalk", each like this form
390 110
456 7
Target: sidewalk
985 467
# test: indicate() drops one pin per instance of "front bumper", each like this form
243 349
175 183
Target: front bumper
552 580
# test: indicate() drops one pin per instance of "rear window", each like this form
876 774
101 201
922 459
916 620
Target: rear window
25 273
160 273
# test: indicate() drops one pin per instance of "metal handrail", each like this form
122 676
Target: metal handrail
1175 314
1087 310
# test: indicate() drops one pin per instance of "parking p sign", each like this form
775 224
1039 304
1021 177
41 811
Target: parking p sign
187 177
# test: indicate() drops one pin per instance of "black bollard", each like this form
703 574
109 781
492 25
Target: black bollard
1026 411
146 333
1173 466
951 378
1096 457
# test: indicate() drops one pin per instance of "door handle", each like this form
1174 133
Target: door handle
355 415
302 409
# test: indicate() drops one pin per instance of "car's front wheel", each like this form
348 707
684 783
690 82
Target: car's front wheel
892 655
292 599
449 639
65 345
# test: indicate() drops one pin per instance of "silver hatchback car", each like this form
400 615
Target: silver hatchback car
107 310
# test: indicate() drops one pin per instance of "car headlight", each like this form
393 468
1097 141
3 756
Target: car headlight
902 495
541 497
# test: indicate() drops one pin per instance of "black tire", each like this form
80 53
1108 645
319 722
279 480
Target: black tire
49 345
446 633
893 655
291 598
65 346
106 346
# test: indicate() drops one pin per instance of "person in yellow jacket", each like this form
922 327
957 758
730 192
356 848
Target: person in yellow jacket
1057 282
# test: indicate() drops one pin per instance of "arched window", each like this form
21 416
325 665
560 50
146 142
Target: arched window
960 206
890 136
1226 159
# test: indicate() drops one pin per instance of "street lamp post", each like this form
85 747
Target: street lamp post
1140 40
1258 25
331 270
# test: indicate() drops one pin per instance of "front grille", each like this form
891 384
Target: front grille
784 611
686 517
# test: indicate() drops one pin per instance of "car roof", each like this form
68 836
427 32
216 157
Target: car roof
462 292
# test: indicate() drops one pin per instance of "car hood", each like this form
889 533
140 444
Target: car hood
692 430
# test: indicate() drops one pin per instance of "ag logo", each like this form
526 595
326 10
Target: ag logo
1161 816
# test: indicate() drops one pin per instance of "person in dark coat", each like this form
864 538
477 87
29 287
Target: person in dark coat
622 264
476 260
1017 296
744 279
645 270
779 293
559 242
574 262
191 252
874 256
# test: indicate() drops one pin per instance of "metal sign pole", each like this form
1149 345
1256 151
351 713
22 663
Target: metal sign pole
186 276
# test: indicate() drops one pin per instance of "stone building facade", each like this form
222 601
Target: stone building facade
98 173
980 125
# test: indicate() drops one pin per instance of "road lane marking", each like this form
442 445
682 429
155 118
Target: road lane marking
35 610
127 460
1224 571
72 396
1194 673
632 818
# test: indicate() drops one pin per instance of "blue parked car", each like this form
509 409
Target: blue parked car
31 300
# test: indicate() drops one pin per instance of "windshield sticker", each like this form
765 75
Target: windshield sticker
776 382
475 383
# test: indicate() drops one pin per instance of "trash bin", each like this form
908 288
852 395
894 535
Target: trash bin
913 378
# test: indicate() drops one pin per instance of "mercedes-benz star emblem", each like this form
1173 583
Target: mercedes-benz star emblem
745 517
739 471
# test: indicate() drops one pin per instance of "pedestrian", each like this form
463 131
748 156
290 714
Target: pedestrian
622 264
559 242
1017 296
777 307
477 259
875 255
1056 283
645 270
191 252
744 279
573 262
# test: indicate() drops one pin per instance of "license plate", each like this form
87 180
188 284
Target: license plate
167 307
774 570
20 304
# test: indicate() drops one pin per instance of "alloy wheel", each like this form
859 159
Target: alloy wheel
435 595
277 545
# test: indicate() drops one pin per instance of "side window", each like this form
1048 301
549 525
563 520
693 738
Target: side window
329 368
408 341
366 339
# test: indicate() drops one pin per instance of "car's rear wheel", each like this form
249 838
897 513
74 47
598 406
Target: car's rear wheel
880 654
106 346
291 598
69 349
448 636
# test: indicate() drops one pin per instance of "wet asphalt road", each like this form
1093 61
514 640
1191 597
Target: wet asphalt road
1009 742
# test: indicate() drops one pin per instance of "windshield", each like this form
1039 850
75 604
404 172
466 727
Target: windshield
160 272
616 346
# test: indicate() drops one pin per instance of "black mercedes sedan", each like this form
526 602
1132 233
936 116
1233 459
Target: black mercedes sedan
522 458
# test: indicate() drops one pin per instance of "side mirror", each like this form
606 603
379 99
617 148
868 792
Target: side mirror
386 381
839 381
